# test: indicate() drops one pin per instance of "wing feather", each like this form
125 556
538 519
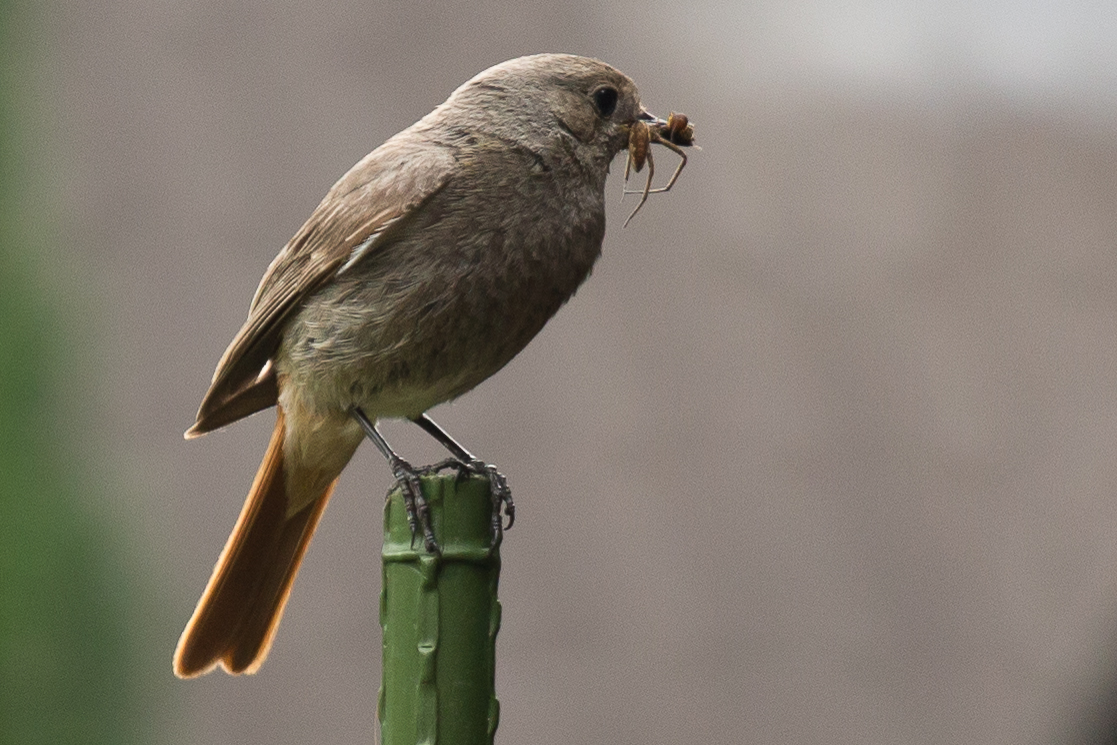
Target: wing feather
362 211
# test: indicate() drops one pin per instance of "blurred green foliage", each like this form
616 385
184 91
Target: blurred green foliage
65 647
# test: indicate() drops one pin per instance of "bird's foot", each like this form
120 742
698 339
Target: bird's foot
418 510
499 491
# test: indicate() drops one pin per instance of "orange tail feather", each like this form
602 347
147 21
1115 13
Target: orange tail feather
239 612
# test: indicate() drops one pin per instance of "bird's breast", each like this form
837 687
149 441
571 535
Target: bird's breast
449 301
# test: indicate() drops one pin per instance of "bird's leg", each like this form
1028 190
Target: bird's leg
465 462
418 511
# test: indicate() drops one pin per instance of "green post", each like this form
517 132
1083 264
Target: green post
440 616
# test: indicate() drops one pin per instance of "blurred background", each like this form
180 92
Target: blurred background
825 451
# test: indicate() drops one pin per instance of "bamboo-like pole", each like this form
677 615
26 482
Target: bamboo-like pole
440 616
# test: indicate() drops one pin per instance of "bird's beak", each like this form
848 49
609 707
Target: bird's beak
645 116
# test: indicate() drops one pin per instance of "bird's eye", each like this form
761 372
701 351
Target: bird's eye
605 100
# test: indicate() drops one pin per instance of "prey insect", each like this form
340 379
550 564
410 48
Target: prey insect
675 132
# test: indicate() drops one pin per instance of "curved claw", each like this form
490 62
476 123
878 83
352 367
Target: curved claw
502 498
465 462
418 510
501 494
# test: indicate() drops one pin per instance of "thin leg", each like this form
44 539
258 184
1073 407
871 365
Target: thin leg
647 189
674 176
627 171
467 462
418 511
679 169
651 169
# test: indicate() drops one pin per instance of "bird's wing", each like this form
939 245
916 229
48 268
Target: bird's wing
362 211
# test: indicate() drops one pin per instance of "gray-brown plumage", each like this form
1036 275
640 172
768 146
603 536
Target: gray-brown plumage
425 269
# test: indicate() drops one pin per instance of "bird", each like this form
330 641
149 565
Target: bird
425 269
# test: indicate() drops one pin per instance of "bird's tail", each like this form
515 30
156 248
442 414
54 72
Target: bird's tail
239 612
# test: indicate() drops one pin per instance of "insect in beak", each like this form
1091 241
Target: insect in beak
674 134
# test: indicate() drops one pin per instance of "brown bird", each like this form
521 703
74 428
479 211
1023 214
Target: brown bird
425 269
